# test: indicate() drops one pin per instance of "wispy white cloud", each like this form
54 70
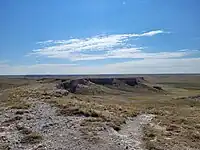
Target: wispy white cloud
122 53
45 42
145 66
127 53
104 47
111 45
152 33
96 39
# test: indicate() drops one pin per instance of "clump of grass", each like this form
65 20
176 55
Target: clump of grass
19 105
31 138
4 146
13 99
79 112
178 121
90 127
115 126
21 112
114 114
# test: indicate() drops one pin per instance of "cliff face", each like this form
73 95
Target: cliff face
102 85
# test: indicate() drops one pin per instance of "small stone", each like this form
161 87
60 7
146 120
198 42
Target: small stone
40 147
19 126
47 125
3 137
29 117
18 117
197 126
2 129
25 130
47 97
19 112
6 115
60 93
26 111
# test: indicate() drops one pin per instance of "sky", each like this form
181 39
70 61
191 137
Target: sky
99 36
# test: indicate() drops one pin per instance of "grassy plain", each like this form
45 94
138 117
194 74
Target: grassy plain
176 124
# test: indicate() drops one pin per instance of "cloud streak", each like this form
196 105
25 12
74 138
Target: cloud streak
110 46
131 53
104 47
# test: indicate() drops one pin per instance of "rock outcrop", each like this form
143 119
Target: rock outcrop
95 85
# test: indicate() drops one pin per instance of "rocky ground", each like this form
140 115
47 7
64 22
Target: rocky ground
161 113
50 131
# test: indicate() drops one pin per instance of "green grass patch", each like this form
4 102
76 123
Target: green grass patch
32 138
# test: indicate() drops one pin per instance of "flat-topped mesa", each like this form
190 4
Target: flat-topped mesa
102 81
88 84
132 81
111 81
73 84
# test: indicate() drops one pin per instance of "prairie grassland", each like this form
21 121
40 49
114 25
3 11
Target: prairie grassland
176 124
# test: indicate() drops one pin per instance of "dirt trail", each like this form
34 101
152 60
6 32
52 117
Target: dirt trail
62 133
130 136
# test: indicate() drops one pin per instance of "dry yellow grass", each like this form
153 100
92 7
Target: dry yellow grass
31 138
176 124
13 99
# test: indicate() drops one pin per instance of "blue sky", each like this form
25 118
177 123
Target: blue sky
99 36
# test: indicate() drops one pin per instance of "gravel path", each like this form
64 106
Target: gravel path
62 133
130 135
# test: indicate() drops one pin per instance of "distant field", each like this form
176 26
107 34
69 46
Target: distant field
163 76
